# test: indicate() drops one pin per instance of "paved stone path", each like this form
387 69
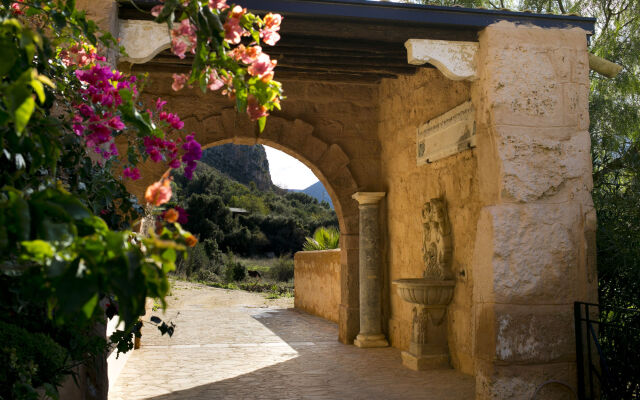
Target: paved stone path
239 345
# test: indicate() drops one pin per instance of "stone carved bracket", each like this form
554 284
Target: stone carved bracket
436 242
143 40
456 60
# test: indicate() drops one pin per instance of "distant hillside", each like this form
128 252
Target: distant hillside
244 164
317 191
275 222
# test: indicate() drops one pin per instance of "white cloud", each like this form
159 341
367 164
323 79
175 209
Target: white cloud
287 172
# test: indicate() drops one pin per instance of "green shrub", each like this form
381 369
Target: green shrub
28 360
202 262
282 270
323 239
234 270
207 275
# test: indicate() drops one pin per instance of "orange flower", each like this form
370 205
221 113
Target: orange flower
159 192
171 215
191 240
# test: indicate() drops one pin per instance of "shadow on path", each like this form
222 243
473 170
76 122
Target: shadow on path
315 366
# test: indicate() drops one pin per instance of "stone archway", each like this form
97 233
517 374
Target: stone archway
327 161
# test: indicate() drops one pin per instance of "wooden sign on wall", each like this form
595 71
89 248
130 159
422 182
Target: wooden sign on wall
447 134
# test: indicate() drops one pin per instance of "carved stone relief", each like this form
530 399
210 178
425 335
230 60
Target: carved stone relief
436 243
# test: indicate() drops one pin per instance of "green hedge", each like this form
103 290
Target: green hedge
28 360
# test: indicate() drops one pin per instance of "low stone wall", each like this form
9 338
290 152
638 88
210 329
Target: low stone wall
317 283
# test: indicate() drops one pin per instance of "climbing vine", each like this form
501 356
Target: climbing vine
73 129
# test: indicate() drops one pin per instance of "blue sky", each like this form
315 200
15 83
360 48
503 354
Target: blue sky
287 172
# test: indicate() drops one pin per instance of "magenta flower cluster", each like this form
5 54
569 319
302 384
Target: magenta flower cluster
193 152
95 120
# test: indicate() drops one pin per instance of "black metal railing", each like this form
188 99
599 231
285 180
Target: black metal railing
607 352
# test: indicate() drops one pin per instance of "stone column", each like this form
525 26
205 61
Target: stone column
370 275
534 253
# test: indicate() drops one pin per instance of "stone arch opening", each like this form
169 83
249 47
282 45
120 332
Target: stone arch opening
327 161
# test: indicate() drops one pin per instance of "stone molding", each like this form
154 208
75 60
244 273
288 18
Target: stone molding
143 40
364 198
456 60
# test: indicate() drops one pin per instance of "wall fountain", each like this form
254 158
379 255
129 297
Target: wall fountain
430 294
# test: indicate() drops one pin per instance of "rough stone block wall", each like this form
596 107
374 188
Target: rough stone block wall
535 247
317 283
405 104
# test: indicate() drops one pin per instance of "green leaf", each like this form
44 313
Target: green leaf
169 255
38 249
90 305
59 20
21 216
9 56
23 113
261 123
72 206
39 89
213 19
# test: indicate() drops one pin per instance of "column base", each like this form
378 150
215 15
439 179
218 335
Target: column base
367 341
425 362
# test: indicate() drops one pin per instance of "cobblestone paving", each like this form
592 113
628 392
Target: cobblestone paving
237 345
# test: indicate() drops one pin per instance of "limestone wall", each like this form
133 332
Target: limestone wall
405 104
317 283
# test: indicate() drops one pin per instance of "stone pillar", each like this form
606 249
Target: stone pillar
370 272
535 238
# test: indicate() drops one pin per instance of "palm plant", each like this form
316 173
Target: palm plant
324 238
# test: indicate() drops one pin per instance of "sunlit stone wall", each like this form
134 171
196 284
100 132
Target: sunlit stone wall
317 283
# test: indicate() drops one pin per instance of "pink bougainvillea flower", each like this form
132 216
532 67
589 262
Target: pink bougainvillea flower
184 217
156 10
179 81
116 123
80 54
270 33
193 152
172 119
272 21
262 66
191 240
247 55
183 38
269 36
218 4
171 215
86 110
159 192
215 82
131 173
175 163
179 48
17 8
160 104
233 31
237 12
254 109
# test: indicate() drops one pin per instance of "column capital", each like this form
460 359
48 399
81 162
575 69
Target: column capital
368 197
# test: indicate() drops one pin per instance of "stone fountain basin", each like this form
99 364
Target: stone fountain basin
426 292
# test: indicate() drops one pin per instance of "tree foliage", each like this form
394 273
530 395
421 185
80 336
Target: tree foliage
274 223
68 257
